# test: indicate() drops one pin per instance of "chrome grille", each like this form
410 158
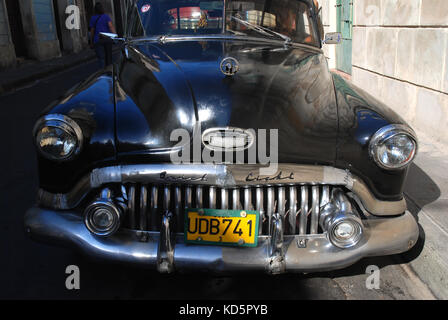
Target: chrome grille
299 205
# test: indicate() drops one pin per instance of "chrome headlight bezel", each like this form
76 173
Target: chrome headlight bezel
114 211
389 132
64 123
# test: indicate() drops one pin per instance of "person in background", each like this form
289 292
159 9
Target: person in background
101 22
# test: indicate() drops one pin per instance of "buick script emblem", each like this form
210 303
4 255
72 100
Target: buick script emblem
230 66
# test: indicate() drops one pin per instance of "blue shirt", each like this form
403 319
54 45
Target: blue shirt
101 24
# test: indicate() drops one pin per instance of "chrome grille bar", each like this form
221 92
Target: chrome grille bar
303 210
132 209
166 198
212 197
154 207
236 199
259 206
247 199
143 208
315 210
224 199
298 207
270 206
188 197
325 196
178 208
292 218
199 197
281 201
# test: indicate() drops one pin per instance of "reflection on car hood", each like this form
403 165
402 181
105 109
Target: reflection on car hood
163 87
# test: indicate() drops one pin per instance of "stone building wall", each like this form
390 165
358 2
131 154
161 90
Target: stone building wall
39 25
7 53
45 34
400 55
328 16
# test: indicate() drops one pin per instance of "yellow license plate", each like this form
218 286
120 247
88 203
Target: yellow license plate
222 227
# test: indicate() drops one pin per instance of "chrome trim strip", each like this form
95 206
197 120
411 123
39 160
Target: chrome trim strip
236 199
281 201
198 197
315 209
325 196
293 210
222 176
247 199
270 207
224 199
143 208
303 210
375 206
132 208
188 197
154 205
178 212
167 198
259 206
383 236
212 197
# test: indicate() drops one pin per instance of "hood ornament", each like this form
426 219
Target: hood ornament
228 139
230 66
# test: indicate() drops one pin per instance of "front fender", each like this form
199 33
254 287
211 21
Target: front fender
361 116
91 104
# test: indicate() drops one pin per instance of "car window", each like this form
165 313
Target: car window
290 18
258 18
169 17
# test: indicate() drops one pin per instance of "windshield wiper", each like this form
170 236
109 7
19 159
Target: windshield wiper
263 30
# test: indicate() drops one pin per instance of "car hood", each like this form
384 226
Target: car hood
163 87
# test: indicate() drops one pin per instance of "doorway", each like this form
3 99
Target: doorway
16 27
58 25
344 18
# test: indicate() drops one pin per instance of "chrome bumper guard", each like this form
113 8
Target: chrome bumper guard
167 252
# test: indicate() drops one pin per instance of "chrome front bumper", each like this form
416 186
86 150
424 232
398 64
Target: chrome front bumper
308 253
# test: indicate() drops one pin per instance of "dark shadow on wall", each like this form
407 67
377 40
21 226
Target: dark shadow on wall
420 189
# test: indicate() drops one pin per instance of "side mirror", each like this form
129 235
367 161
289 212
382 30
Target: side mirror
113 37
333 38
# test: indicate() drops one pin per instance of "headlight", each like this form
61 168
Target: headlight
393 147
58 137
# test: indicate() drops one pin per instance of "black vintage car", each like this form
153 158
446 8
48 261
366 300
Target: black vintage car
156 160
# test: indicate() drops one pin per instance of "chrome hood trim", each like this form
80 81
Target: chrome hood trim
223 176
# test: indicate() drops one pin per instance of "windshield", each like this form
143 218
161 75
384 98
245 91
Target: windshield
285 20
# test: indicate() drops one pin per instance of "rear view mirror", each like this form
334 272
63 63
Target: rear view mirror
333 38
